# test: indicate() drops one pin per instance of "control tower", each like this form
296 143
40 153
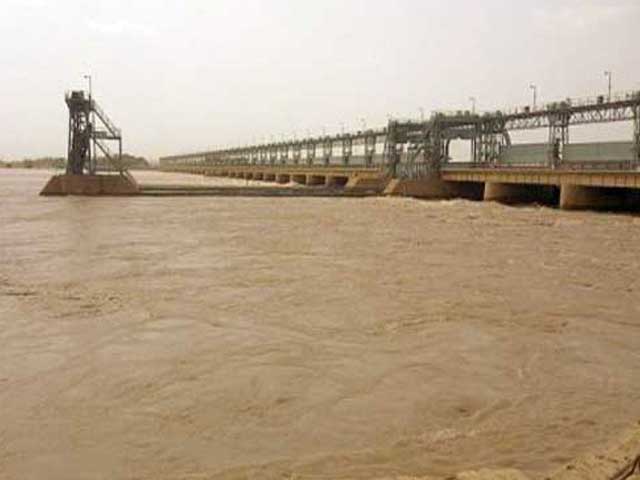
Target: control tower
93 168
89 130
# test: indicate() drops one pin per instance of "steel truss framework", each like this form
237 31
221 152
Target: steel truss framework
89 130
420 148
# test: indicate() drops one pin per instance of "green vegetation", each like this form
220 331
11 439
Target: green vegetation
57 163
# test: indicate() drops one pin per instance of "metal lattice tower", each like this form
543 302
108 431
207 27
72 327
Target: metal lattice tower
89 130
79 156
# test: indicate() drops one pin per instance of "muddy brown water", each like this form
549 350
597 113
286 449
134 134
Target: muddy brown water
189 338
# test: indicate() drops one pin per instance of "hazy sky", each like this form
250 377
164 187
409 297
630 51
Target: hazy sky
186 75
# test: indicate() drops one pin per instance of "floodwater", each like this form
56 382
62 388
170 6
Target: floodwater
227 338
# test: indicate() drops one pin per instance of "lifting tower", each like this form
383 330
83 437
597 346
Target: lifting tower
89 130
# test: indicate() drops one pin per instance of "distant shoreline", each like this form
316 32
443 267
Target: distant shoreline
131 162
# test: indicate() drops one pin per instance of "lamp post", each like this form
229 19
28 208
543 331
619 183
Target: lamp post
534 89
92 151
88 78
607 74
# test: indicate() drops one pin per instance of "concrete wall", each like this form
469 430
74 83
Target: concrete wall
525 154
598 152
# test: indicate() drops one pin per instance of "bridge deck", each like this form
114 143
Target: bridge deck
587 178
513 175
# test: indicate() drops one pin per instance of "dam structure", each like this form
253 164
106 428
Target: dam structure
413 157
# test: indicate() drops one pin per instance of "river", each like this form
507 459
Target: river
229 338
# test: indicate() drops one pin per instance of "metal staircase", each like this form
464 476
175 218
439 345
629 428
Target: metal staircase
112 132
104 130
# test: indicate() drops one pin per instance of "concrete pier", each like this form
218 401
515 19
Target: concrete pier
579 197
90 185
569 189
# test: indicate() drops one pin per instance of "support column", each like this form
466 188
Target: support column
273 154
369 149
347 145
391 150
558 135
327 150
284 154
311 152
297 153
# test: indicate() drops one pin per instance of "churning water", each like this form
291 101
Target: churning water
171 338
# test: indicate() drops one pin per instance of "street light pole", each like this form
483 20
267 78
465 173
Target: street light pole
608 75
88 77
534 88
92 151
